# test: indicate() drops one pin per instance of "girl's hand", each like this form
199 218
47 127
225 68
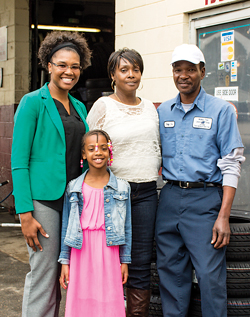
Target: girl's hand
64 276
124 271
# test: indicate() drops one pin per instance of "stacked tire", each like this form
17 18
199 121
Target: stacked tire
238 273
155 308
155 301
238 276
95 88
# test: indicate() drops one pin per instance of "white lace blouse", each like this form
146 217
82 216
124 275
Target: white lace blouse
134 131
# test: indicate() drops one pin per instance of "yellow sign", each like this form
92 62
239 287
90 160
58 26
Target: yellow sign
227 46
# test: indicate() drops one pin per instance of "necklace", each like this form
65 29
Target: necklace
137 103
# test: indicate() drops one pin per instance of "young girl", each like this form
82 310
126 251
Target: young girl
97 226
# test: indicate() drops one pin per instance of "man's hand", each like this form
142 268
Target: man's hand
221 232
221 228
30 227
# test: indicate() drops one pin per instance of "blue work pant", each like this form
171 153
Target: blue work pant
184 222
143 210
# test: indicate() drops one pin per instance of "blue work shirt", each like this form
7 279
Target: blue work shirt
192 142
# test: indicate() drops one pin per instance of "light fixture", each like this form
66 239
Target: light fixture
65 28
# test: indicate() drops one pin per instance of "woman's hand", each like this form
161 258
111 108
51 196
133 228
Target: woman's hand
30 227
124 271
64 276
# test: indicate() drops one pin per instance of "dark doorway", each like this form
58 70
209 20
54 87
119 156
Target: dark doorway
99 14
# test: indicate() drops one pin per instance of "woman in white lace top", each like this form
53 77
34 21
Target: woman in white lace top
133 126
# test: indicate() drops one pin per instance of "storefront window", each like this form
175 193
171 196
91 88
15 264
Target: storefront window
227 52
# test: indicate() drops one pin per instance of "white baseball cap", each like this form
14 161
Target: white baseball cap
188 52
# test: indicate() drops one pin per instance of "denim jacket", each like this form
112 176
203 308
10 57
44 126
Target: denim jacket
117 211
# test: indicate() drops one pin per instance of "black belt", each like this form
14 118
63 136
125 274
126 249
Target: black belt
182 184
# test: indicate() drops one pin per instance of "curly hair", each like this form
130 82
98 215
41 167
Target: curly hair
55 38
128 54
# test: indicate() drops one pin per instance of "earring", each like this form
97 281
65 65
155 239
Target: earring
81 163
49 72
141 86
113 84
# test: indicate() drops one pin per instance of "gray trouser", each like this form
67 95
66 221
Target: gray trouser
42 293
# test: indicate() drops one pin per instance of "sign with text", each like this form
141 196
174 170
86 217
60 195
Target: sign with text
227 46
207 2
3 43
234 71
227 93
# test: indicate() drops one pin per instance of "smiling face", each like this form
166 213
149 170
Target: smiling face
64 79
187 79
127 77
97 156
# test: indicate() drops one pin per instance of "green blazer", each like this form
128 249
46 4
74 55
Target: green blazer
38 159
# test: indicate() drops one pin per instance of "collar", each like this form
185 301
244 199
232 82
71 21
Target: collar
46 94
199 101
76 184
45 91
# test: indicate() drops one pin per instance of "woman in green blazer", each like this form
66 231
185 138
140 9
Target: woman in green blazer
46 151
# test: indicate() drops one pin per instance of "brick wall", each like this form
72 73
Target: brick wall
6 128
16 80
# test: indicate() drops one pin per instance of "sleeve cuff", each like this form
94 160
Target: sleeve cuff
64 261
125 259
230 180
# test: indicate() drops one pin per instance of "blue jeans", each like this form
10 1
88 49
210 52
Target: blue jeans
143 210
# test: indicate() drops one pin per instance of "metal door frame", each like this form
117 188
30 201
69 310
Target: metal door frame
216 16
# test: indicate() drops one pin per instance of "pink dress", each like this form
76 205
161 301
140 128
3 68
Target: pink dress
95 283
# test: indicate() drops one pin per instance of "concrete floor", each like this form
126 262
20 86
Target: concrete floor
14 265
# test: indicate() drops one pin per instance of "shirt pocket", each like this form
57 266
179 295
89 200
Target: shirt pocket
119 212
73 199
199 145
120 202
168 144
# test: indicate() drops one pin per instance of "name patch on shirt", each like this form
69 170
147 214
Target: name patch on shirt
169 124
202 123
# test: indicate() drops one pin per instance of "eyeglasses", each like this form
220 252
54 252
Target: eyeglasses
63 67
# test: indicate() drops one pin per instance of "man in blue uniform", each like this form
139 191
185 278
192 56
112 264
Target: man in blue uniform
202 154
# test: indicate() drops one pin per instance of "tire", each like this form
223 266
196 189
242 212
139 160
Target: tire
154 283
154 252
238 307
238 279
94 93
235 307
155 306
98 83
195 307
239 246
240 232
88 105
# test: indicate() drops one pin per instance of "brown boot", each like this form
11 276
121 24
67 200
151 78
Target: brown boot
137 302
